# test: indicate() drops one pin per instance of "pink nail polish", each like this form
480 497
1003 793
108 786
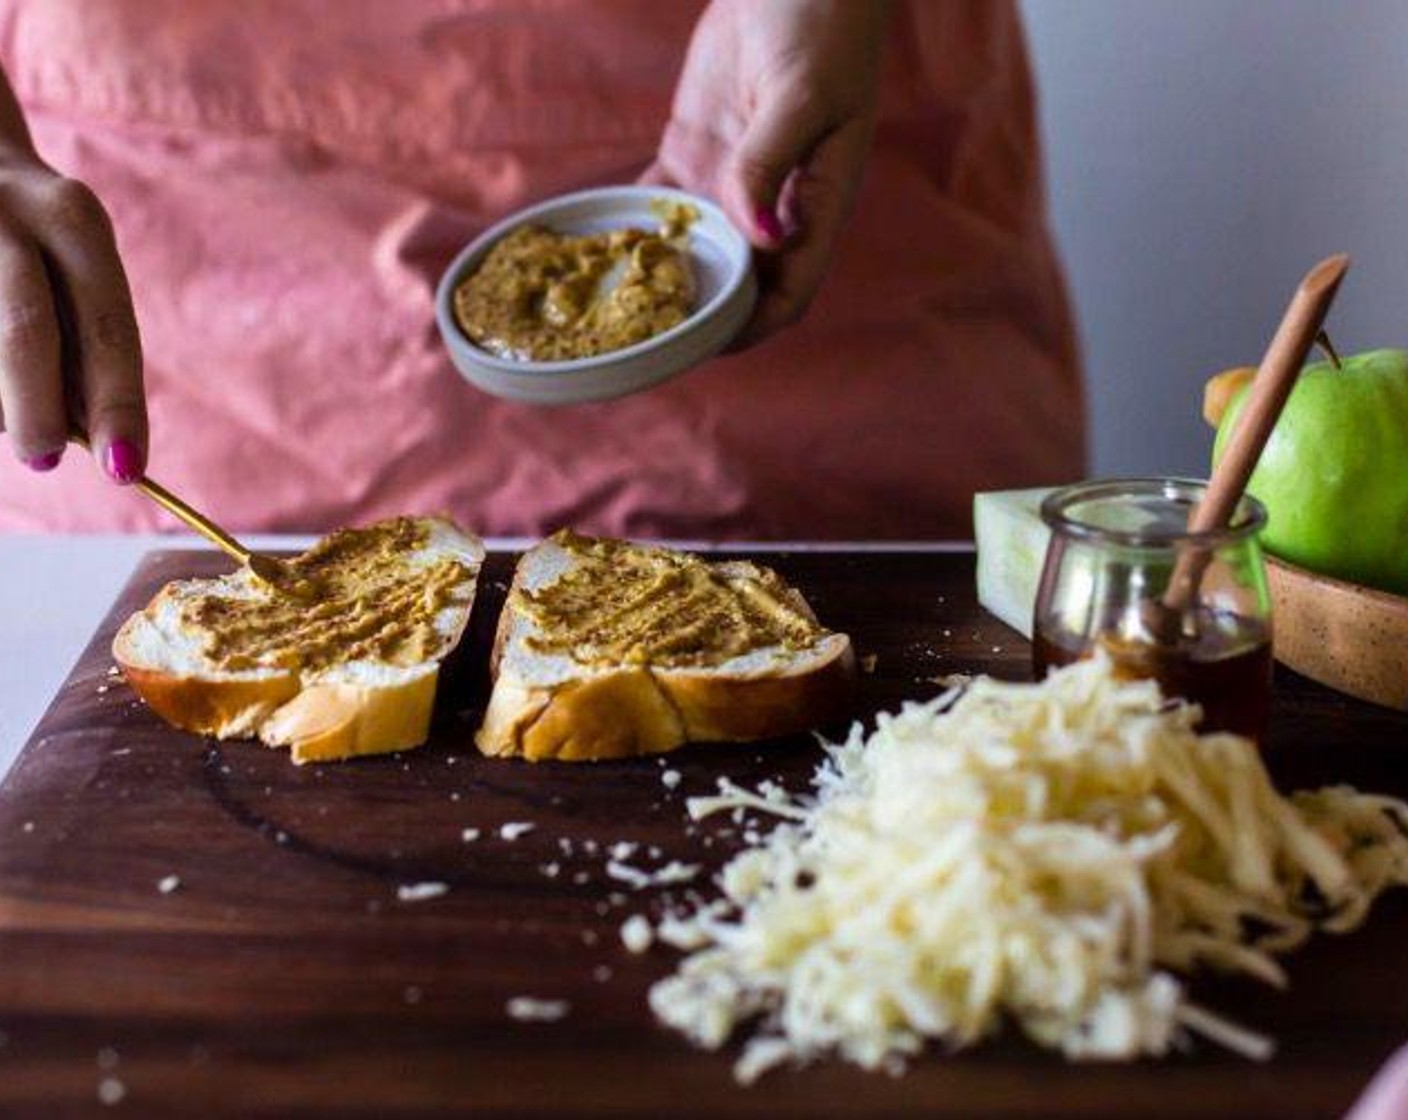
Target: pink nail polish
44 462
124 461
769 225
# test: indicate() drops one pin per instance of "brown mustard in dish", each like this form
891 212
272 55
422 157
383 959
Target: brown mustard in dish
365 602
622 603
545 296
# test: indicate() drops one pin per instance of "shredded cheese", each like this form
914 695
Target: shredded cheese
1042 853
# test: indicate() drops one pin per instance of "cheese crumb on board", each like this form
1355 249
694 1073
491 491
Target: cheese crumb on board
672 873
514 829
111 1091
529 1009
169 883
1042 854
420 892
637 934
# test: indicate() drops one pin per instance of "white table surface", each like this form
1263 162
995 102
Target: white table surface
55 590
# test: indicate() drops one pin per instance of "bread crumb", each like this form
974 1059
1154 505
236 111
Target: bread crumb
589 937
168 884
111 1091
582 878
637 934
514 829
551 868
623 849
469 835
529 1009
601 973
455 795
868 663
420 892
28 826
670 779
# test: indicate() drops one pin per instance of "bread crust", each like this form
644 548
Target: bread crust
639 710
320 719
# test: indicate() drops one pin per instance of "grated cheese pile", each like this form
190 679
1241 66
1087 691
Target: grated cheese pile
1039 853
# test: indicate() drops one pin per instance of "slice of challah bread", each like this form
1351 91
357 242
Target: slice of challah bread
607 649
348 668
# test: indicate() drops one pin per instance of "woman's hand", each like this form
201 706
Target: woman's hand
69 348
772 117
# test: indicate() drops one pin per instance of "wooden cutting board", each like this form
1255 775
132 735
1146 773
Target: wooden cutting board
284 978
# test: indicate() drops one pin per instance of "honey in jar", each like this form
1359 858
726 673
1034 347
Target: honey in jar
1113 552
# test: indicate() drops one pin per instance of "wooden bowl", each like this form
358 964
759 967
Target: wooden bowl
1344 635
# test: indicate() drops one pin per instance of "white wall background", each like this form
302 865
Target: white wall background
1201 155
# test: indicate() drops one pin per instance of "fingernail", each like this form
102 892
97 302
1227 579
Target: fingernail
44 462
124 461
769 225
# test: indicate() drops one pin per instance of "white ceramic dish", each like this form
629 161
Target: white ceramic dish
723 274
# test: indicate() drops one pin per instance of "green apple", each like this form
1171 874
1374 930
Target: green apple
1334 474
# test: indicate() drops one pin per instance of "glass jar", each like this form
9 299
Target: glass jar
1114 549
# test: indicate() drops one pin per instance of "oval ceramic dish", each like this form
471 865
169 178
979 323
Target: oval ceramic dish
723 275
1344 635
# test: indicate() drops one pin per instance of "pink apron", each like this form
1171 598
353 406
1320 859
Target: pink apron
289 177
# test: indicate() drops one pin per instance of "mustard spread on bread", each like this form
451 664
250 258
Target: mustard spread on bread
362 602
610 649
623 603
348 666
541 295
